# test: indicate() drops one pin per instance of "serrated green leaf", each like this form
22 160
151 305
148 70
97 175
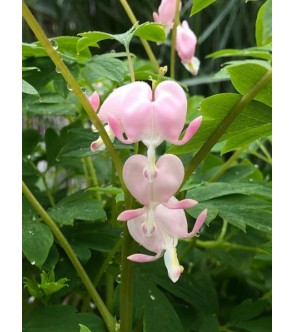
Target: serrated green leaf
49 285
199 5
263 31
245 76
105 66
91 38
60 318
28 88
79 205
214 109
151 31
37 240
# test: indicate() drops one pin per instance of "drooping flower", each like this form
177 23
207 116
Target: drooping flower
170 225
148 116
166 14
167 178
186 42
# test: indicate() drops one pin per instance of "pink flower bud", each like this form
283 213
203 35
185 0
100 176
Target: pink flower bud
186 42
166 15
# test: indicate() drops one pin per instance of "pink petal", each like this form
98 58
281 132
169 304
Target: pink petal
141 258
198 224
130 214
170 173
190 131
183 204
117 130
186 42
94 100
170 108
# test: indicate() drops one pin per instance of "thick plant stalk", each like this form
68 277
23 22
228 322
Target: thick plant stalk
173 40
108 318
227 121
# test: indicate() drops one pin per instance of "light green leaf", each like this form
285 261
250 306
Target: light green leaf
48 283
28 88
151 31
60 318
91 38
37 240
83 328
214 109
246 75
79 205
255 52
264 24
199 5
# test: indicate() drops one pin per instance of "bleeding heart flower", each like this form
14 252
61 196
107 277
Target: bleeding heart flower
167 178
148 116
170 225
186 42
166 15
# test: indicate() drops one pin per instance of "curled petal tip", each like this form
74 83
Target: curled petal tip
190 131
130 214
141 258
94 100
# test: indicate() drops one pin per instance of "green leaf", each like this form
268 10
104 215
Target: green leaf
97 236
30 139
199 5
49 285
208 191
83 328
255 52
106 66
247 310
78 147
214 109
79 205
257 325
91 38
60 318
28 88
37 240
209 324
245 76
263 31
151 31
66 46
153 303
53 146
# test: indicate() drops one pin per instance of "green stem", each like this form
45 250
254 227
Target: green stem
260 156
108 318
223 231
109 291
130 64
266 153
85 171
227 121
126 287
52 53
173 40
93 176
226 165
42 175
227 245
145 44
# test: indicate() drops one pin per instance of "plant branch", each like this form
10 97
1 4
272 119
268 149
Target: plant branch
227 121
145 44
173 39
108 318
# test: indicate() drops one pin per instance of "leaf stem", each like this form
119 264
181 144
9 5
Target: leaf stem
145 44
93 176
130 64
226 122
52 53
228 245
173 40
108 318
226 165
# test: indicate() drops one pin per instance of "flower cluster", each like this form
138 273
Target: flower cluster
186 40
135 112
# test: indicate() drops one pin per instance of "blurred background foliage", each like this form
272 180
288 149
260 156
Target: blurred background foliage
224 24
